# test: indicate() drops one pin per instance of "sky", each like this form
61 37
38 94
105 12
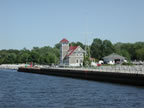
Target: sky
38 23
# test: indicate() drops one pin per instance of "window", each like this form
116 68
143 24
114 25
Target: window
81 54
64 44
77 61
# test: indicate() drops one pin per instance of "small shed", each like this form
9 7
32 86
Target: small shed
113 59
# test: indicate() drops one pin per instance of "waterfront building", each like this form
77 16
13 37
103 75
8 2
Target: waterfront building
70 55
114 59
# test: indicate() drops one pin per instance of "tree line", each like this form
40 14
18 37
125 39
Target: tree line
132 51
44 55
48 55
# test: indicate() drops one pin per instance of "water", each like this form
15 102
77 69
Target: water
25 90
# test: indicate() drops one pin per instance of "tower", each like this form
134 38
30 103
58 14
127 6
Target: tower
63 49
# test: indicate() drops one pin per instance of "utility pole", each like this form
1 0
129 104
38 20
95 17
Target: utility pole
87 48
86 43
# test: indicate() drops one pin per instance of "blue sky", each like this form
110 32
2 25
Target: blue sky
29 23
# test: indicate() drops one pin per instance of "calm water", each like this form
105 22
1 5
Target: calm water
25 90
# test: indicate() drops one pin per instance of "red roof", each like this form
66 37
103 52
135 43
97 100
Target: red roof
71 50
64 41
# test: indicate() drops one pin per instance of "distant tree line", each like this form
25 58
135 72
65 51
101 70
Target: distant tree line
48 55
44 55
132 51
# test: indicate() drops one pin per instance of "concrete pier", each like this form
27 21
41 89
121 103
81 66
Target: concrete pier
114 77
11 66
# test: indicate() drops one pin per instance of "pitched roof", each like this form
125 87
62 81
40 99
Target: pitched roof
114 56
71 50
64 41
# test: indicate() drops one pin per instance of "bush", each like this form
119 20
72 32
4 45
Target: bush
127 63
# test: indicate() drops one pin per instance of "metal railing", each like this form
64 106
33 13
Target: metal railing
118 69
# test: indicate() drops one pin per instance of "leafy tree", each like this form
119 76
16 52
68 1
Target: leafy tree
108 48
77 44
140 54
9 58
86 61
97 48
25 57
58 45
126 54
34 56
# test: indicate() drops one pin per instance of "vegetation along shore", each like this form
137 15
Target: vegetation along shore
50 55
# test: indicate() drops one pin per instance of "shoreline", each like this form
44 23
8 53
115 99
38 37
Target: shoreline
11 66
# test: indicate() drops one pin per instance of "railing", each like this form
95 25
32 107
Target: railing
136 69
119 69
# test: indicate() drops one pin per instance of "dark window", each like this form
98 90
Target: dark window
77 60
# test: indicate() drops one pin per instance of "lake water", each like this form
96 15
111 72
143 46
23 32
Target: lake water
26 90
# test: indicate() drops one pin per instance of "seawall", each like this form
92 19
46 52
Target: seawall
114 77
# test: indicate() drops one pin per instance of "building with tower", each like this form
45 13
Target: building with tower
70 55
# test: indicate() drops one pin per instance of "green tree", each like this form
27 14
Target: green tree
108 48
25 57
77 44
97 48
86 61
58 45
126 54
34 57
140 54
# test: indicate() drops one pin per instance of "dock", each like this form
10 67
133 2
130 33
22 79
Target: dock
129 78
